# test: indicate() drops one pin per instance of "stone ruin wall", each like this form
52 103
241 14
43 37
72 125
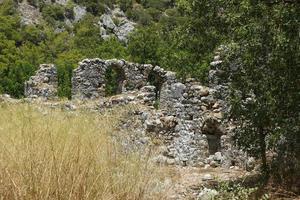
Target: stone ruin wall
190 118
43 84
88 80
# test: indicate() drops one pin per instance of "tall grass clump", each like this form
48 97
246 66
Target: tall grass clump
51 154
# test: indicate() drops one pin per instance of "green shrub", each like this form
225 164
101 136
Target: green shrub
140 16
96 7
65 63
125 4
113 79
158 4
143 46
33 34
154 13
172 12
234 192
53 13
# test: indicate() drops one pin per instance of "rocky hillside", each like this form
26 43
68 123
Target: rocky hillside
65 32
63 15
114 19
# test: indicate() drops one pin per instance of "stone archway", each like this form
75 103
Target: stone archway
213 130
114 80
97 78
214 143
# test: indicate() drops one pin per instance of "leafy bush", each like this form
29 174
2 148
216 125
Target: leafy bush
143 46
66 63
234 192
125 4
52 13
158 4
172 12
154 13
33 34
69 12
114 79
140 16
96 7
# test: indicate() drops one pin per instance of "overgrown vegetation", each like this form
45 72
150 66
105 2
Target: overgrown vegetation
266 85
159 40
51 154
262 38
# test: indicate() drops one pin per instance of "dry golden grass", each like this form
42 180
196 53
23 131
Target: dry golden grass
51 154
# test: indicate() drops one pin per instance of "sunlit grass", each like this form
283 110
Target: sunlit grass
51 154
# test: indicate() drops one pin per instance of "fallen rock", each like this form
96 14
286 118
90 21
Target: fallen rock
207 177
79 13
207 194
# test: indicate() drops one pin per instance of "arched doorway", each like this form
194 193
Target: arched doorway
212 128
157 81
214 143
114 80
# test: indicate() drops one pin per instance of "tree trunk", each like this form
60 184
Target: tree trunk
263 156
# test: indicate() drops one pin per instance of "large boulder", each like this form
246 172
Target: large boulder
115 23
79 13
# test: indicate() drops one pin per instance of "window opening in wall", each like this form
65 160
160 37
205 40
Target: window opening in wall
114 79
214 143
157 81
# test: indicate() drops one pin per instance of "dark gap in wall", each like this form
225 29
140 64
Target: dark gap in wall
114 79
157 81
214 143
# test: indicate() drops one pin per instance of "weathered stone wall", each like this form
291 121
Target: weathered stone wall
198 115
190 118
88 80
44 83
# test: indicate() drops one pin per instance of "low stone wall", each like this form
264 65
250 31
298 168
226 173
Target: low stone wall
44 84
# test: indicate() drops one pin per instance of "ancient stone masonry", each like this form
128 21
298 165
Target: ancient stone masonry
88 80
189 118
44 83
219 82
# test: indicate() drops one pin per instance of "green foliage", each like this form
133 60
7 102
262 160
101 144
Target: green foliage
234 192
112 48
143 46
87 36
157 4
114 78
96 7
7 8
66 63
125 4
23 48
140 16
154 13
168 44
53 12
13 70
266 85
33 35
